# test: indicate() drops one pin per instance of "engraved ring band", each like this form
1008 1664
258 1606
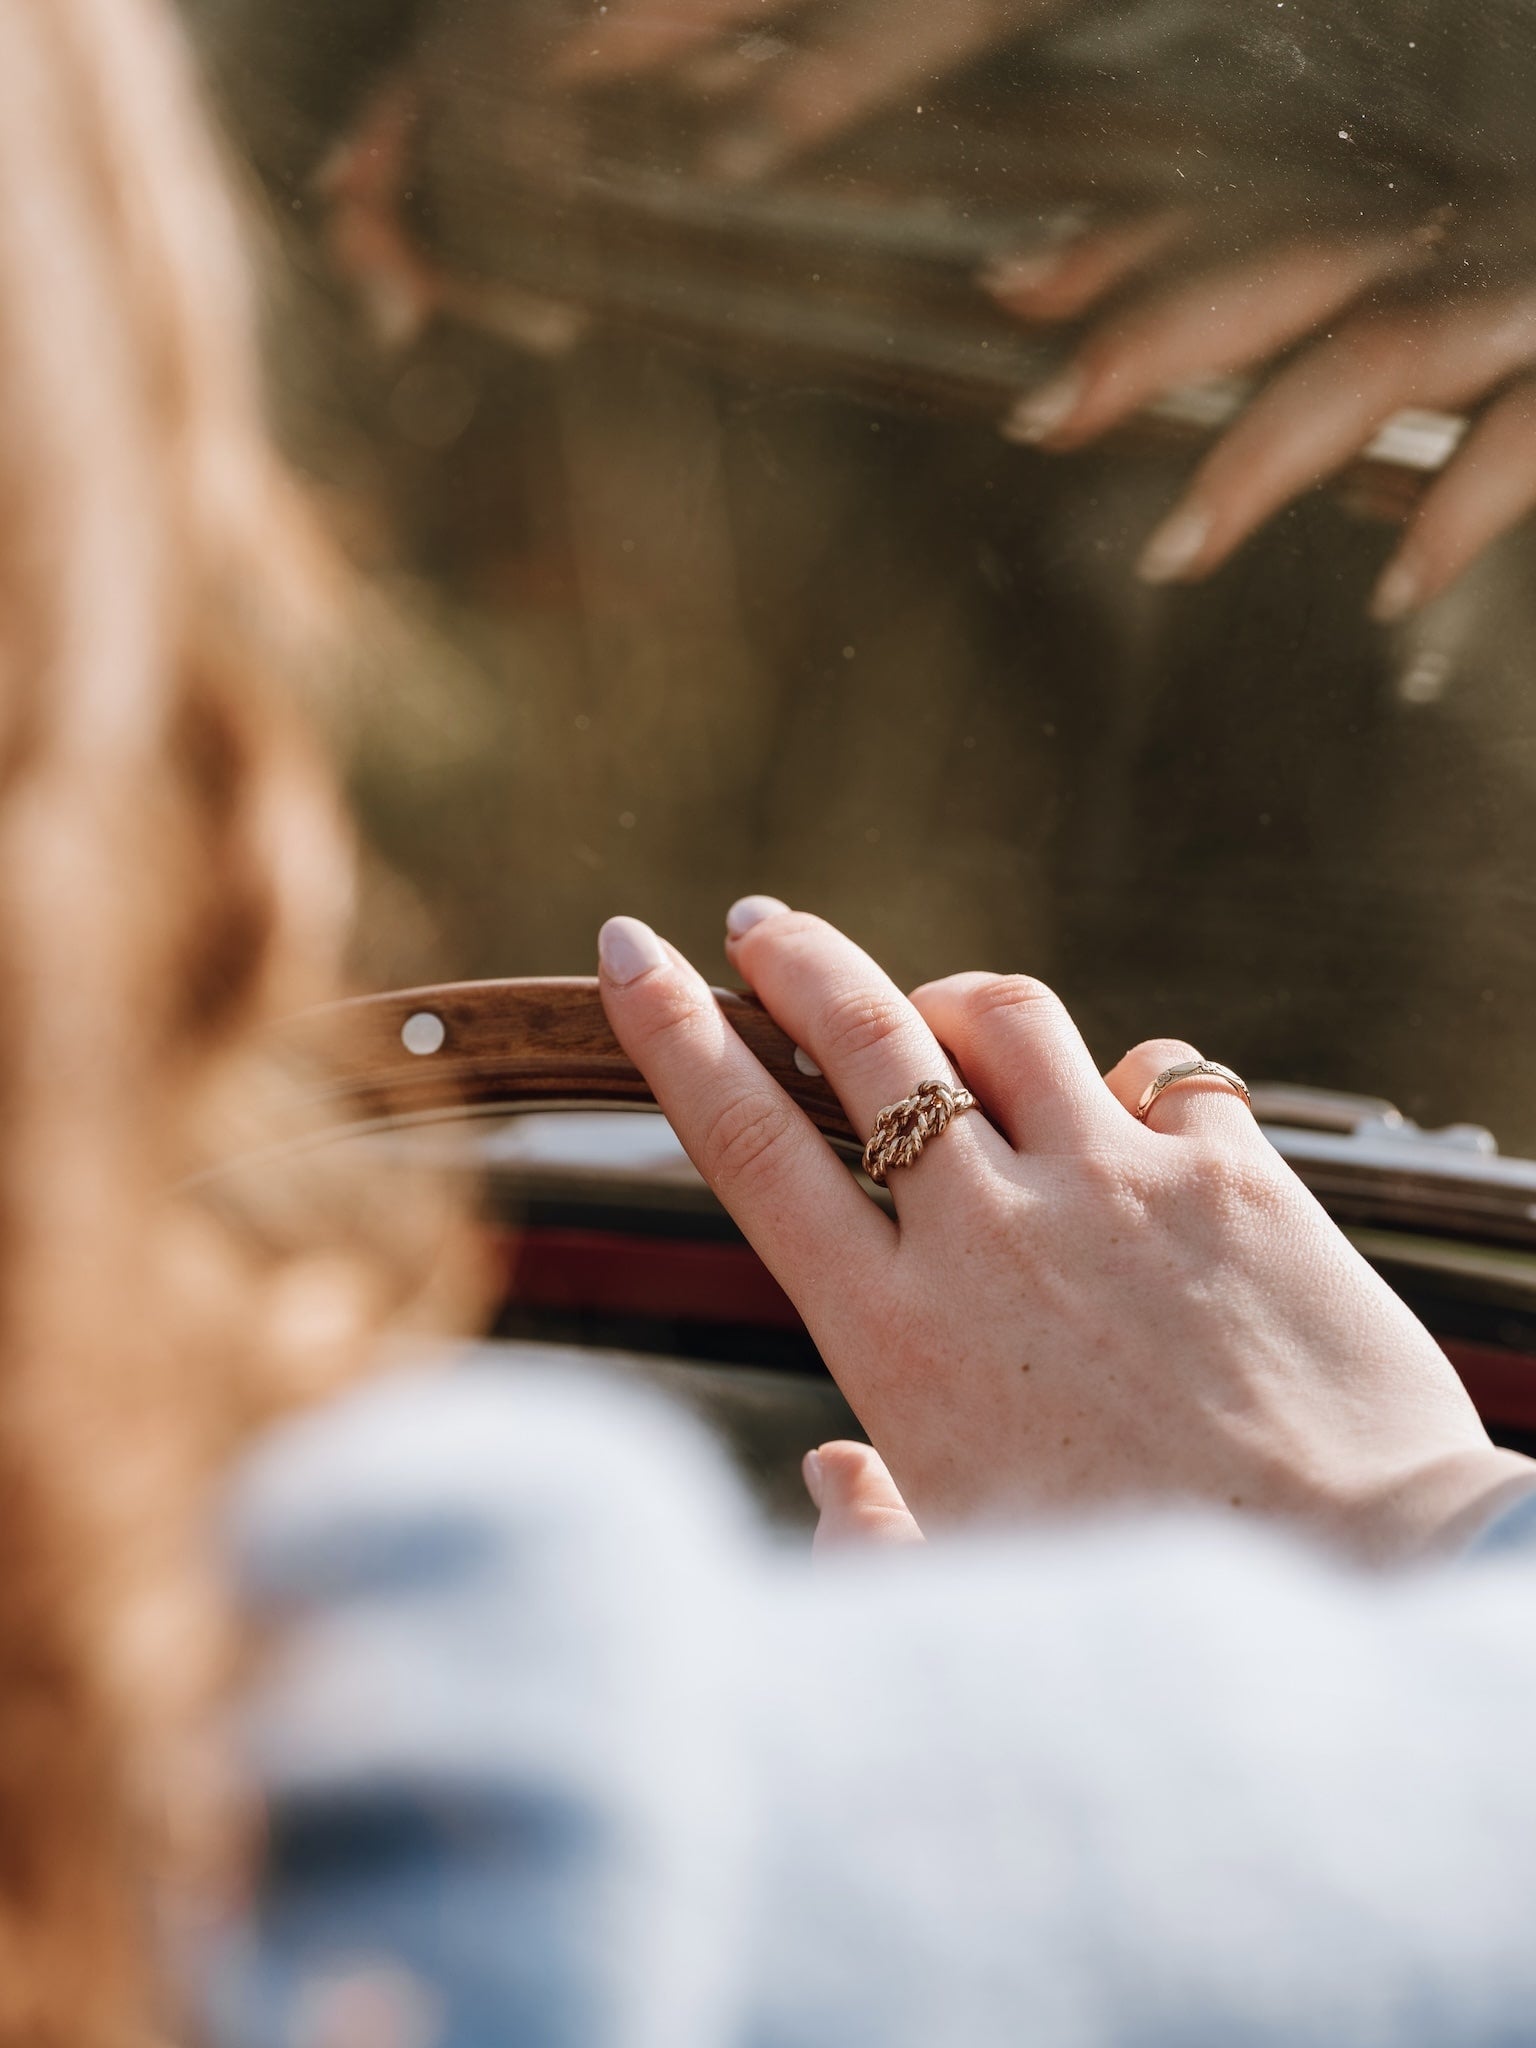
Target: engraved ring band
1190 1070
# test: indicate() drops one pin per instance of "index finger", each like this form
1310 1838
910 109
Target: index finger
797 1204
636 36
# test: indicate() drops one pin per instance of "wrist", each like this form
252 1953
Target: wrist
1442 1508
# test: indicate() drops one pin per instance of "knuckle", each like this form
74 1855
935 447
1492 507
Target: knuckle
670 1009
1237 1189
1004 1241
746 1141
1113 1187
1156 1054
1009 995
859 1021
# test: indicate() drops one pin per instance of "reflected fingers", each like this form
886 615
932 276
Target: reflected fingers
1221 321
861 64
1489 487
633 37
1325 409
1063 281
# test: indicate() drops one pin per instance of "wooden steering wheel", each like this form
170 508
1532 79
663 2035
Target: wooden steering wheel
484 1045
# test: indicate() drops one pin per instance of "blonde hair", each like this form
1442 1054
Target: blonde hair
173 875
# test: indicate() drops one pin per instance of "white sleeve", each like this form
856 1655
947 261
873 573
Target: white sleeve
665 1787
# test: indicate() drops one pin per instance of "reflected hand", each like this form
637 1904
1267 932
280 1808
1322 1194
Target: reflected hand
400 289
797 72
362 182
1069 1307
1387 348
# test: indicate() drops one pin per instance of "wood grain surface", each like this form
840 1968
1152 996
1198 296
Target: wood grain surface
514 1043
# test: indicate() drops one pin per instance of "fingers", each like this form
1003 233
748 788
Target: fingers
820 91
1023 1056
1327 408
1489 487
1220 321
1063 281
856 1498
858 1027
636 36
1196 1108
363 182
796 1203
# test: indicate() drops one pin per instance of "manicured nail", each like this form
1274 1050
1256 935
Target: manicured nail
810 1469
749 911
1396 594
1174 547
1043 412
627 949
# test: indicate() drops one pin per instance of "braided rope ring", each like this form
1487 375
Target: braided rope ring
903 1128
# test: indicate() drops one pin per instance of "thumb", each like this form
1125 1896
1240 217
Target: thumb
857 1498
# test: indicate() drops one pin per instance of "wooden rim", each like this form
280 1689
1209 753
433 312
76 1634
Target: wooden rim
487 1044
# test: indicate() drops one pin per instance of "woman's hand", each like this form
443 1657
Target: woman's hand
1069 1307
1399 331
790 75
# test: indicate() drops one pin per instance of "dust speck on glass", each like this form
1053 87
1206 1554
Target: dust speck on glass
1045 484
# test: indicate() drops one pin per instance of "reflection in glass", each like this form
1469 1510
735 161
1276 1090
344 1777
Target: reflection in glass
1043 483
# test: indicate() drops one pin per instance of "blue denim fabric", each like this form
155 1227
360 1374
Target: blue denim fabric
560 1750
1511 1533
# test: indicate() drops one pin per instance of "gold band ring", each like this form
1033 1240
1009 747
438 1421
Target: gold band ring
1190 1070
903 1128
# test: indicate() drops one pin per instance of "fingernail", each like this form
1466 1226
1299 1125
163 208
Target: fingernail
747 154
810 1470
1006 276
1174 546
751 910
1043 412
1396 594
806 1065
627 949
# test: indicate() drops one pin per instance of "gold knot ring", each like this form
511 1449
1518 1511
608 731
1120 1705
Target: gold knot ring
1190 1070
903 1128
